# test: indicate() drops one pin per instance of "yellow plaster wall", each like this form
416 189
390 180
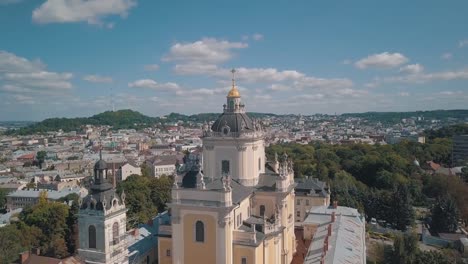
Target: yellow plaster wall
165 244
243 251
268 201
271 252
259 254
197 252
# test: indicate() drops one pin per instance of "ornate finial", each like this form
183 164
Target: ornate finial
233 71
100 150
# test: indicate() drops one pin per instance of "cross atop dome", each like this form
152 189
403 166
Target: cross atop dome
233 93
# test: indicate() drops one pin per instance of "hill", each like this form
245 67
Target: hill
121 119
395 117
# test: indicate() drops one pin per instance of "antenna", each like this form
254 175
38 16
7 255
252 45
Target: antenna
112 99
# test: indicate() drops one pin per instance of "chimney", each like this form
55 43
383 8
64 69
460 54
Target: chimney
333 216
24 256
136 232
329 230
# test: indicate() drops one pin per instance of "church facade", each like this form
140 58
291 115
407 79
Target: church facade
231 206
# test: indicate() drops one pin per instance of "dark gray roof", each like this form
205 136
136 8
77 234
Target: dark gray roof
99 198
100 165
311 185
239 191
236 122
267 182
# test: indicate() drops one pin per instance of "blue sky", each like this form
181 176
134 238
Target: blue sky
65 58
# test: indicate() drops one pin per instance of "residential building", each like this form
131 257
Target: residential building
337 234
29 197
310 192
126 170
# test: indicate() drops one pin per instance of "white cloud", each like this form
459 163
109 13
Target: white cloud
446 56
313 82
196 69
90 11
412 69
257 36
152 67
9 62
152 84
207 50
463 43
43 79
346 62
280 87
23 99
19 74
202 92
427 77
450 93
382 60
97 79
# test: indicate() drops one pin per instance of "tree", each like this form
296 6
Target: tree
3 194
145 170
138 199
51 219
10 245
405 248
402 214
406 251
464 174
444 215
40 156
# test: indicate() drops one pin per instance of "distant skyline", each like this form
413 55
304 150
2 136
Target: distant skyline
62 58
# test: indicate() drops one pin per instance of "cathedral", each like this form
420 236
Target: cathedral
230 205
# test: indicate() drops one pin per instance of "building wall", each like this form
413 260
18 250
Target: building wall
199 252
167 170
105 248
165 244
304 203
244 252
244 158
269 201
128 170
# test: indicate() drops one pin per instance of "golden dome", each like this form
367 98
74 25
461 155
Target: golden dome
233 92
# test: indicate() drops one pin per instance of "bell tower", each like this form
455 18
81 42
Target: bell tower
102 222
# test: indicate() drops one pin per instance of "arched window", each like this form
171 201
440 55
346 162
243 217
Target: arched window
225 167
262 210
115 233
92 236
199 231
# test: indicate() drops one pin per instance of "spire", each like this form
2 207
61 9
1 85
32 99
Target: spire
233 93
233 71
